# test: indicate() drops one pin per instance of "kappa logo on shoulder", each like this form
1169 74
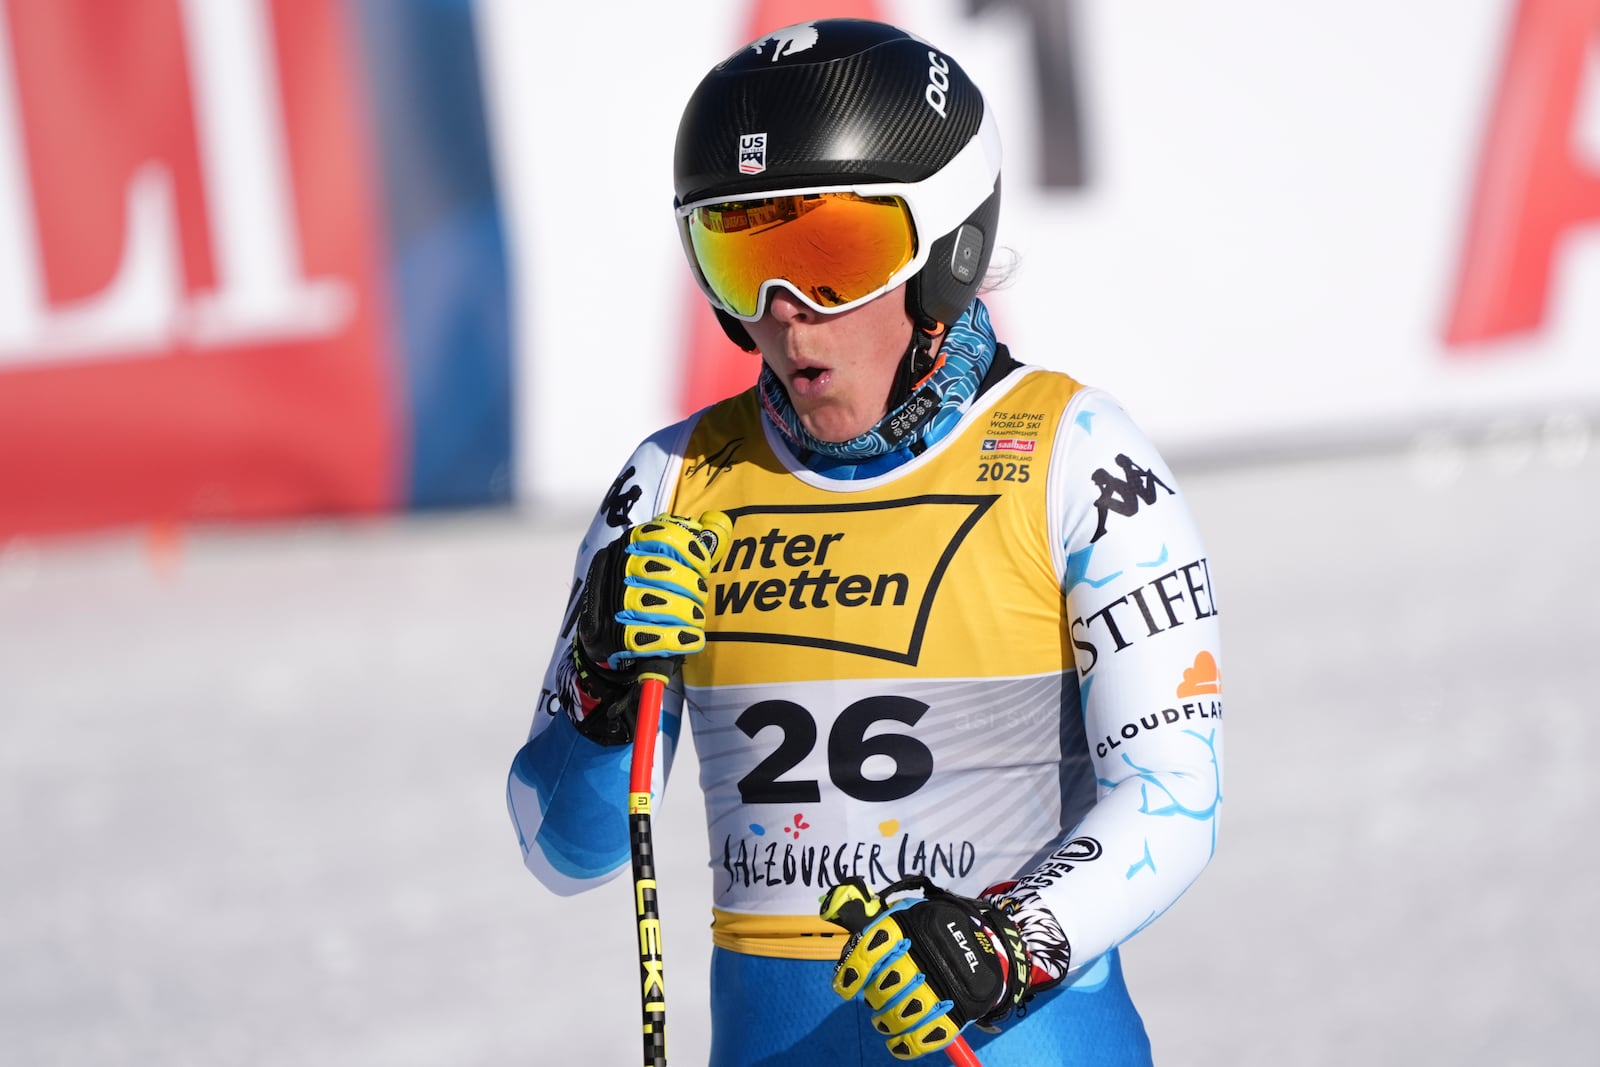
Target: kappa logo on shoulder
1124 495
787 41
841 576
620 498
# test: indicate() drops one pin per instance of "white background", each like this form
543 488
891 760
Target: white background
1263 260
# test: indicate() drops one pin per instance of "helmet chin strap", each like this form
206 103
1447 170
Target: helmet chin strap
917 362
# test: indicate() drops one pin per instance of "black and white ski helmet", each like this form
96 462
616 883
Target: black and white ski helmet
851 102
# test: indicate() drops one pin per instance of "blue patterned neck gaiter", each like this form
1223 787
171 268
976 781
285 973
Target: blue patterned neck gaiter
968 351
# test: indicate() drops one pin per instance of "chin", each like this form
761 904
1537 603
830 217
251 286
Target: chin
833 433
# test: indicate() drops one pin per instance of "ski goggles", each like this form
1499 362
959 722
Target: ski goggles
834 247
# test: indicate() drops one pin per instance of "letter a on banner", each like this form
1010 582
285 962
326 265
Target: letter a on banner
1533 187
714 367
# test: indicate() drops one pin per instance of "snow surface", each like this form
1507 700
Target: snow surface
254 813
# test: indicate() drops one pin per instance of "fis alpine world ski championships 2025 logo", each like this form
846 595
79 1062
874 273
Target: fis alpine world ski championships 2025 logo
858 578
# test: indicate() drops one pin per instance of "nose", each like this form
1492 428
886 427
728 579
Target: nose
784 307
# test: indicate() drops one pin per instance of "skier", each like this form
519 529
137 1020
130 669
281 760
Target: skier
953 668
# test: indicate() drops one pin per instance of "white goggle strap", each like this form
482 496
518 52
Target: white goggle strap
938 204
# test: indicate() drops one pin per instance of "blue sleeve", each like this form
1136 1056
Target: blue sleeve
567 795
578 792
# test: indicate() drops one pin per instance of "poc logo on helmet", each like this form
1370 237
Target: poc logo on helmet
938 82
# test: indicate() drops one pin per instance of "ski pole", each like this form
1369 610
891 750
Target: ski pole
641 842
647 913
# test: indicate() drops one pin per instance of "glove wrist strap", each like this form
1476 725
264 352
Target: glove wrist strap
1048 948
603 704
1019 971
1019 975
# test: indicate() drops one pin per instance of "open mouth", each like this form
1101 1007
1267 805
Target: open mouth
805 381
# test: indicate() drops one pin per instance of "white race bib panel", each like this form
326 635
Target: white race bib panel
819 782
888 685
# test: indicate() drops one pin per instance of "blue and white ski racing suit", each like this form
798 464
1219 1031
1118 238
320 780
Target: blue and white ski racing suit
988 654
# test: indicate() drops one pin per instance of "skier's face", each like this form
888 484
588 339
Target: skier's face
837 369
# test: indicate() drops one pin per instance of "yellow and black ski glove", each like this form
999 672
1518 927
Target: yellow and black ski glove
644 598
927 966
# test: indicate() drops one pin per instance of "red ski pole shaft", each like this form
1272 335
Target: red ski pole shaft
647 913
961 1053
646 910
653 679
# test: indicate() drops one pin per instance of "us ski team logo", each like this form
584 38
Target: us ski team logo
752 153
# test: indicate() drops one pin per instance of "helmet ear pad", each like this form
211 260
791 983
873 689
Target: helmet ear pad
735 330
936 294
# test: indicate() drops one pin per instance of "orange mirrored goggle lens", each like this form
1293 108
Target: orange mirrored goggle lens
836 248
